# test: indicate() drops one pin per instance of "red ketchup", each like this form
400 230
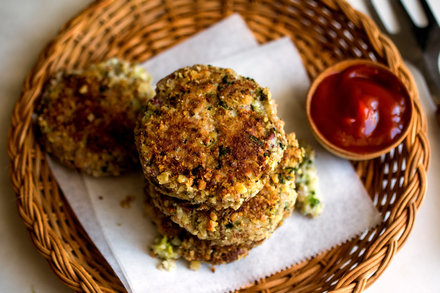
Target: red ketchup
361 109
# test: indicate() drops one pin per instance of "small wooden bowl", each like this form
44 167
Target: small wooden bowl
339 151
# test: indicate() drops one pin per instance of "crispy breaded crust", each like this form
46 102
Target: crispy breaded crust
86 117
257 217
192 248
210 136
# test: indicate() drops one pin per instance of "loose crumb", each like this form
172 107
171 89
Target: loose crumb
309 202
126 202
195 265
164 250
100 197
167 265
212 269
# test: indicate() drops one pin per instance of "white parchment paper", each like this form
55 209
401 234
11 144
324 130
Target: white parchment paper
221 40
127 232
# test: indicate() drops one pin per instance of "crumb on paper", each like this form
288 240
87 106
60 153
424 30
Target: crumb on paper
126 202
167 265
212 269
195 265
309 202
166 252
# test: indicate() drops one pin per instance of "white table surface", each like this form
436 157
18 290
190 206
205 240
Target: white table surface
26 26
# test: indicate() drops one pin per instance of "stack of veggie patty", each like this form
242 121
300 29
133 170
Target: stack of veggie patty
219 167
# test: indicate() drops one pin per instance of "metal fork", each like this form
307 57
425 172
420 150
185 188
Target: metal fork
418 45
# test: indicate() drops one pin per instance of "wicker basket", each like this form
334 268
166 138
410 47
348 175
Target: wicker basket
324 31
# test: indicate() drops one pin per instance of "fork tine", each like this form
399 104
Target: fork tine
407 25
374 15
428 12
404 19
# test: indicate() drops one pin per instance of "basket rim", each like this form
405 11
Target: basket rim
80 279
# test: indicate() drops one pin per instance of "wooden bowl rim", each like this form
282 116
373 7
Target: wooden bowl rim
339 151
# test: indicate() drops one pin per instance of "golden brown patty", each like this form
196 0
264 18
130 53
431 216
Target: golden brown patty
192 248
257 217
87 117
210 136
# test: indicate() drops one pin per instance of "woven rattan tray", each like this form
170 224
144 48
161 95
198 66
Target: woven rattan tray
324 31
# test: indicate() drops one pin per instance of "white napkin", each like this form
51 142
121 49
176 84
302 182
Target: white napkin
73 186
221 40
348 209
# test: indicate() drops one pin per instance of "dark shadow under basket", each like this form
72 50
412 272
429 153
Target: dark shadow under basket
324 31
